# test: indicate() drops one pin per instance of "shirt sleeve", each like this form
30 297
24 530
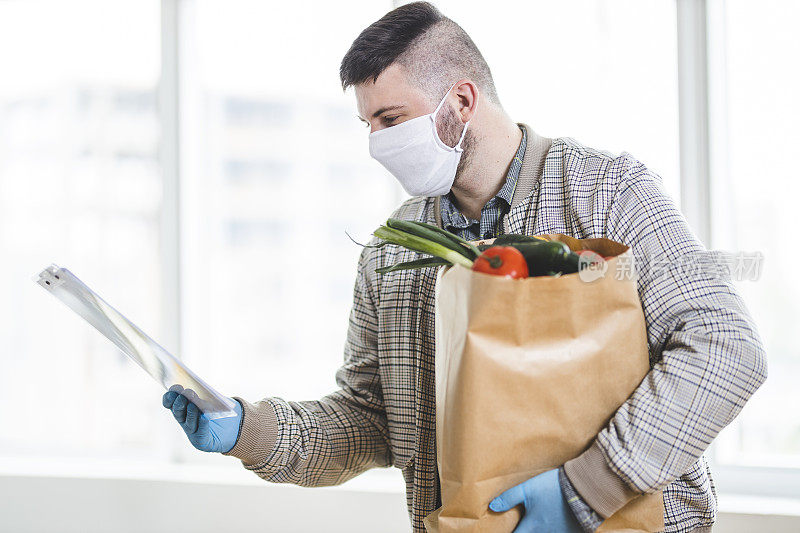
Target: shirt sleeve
706 357
585 515
327 441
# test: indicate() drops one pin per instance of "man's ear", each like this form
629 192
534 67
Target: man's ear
467 95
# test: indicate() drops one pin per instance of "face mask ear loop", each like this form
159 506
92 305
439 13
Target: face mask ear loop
433 115
443 100
464 132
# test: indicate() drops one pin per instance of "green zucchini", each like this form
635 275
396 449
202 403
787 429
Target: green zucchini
508 239
572 263
545 257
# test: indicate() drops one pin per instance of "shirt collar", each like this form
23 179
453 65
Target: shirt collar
452 217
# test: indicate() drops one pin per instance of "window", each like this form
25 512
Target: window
753 99
80 185
275 168
601 72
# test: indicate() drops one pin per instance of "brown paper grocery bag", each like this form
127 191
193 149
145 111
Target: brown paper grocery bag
528 371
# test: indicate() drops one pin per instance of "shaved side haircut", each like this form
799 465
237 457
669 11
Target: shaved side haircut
433 49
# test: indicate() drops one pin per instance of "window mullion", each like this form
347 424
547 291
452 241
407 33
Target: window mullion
693 116
170 166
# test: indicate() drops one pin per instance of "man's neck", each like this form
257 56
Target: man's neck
487 172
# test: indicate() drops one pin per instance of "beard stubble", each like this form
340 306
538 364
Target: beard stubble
450 128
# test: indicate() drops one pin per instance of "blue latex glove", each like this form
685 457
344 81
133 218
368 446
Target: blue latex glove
206 435
546 510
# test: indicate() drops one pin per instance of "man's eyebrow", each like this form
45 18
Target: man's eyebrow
384 109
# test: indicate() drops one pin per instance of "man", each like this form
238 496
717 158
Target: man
437 124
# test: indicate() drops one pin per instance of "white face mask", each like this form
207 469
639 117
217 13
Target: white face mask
413 152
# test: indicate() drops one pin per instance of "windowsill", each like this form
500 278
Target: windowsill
100 495
747 504
384 480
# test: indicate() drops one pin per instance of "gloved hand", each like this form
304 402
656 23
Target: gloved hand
546 510
206 435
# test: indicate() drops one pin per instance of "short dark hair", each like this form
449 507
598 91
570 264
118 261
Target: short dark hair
430 45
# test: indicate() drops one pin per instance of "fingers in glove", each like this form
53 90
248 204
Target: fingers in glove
168 399
191 395
510 498
192 415
202 424
179 408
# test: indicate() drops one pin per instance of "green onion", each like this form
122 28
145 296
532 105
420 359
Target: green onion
436 234
413 265
419 244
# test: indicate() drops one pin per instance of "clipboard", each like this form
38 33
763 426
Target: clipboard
135 343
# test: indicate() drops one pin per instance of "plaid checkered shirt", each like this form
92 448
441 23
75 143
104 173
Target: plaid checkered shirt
706 357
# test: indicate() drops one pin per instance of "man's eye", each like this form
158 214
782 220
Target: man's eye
390 119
